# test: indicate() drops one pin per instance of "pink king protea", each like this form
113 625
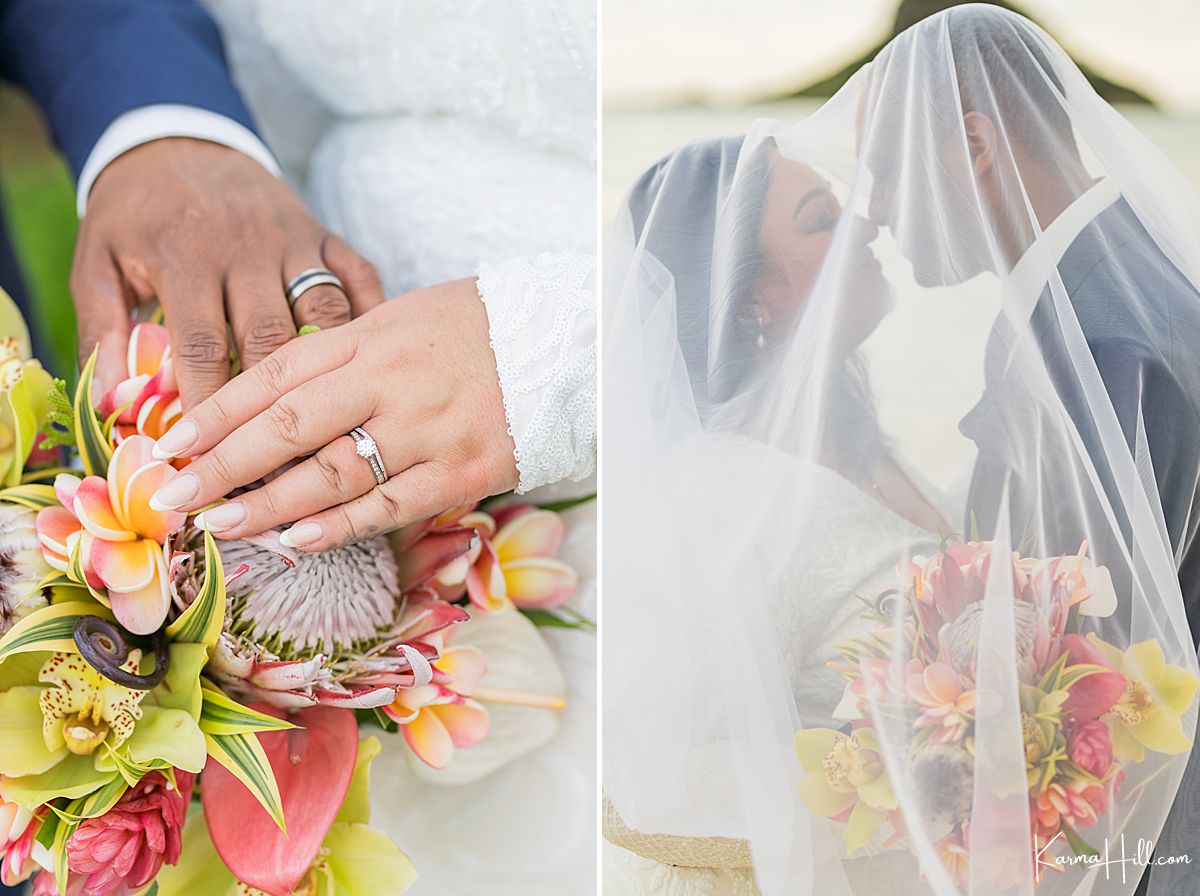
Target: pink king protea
123 850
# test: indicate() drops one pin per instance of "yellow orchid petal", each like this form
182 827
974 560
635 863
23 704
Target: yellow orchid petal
813 745
864 821
23 749
1162 731
821 799
1175 689
1144 661
878 793
1125 745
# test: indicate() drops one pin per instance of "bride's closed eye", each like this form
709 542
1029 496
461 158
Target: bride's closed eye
817 211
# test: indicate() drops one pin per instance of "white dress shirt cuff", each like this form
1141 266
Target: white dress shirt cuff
148 123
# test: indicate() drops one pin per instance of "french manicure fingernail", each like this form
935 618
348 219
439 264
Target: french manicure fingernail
222 517
178 491
176 440
302 534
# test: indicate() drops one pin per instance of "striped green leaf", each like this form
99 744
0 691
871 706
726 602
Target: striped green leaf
59 853
51 628
242 755
201 623
35 497
45 474
221 715
96 804
94 449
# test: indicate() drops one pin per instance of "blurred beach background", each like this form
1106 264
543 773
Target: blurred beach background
678 70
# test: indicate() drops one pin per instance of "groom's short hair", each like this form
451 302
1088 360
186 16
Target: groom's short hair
1006 72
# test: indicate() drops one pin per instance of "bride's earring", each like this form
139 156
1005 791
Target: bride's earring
760 339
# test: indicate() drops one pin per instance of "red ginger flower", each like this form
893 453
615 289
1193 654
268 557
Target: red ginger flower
123 850
1090 747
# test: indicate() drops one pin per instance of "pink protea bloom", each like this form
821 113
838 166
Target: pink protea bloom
1090 747
944 704
147 402
19 853
124 849
121 539
513 560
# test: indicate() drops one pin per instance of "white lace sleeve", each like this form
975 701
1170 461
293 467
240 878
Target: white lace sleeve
542 315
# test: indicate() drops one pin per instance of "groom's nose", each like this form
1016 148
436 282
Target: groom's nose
865 229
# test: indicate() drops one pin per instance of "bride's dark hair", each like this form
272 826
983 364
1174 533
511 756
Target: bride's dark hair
686 197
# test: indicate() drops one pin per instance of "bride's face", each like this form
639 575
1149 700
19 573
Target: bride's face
800 217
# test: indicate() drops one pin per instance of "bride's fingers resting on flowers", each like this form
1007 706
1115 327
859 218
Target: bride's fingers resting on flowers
417 373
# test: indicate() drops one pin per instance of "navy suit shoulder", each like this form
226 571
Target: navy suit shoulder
87 62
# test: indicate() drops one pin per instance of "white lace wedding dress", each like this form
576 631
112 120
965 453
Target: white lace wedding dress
445 139
848 549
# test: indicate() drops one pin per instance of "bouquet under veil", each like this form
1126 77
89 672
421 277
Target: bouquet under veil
914 380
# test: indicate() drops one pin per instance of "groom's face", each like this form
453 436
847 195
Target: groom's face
924 190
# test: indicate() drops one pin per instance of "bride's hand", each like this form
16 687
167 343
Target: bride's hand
417 373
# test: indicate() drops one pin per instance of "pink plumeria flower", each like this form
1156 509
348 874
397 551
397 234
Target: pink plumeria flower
945 704
121 539
513 562
441 716
20 854
148 401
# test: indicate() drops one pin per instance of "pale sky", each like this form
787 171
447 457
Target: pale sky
728 51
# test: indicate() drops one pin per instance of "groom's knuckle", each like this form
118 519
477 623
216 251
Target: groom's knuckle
204 350
267 333
327 307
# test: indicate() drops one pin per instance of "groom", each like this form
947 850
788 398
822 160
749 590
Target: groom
1090 245
180 200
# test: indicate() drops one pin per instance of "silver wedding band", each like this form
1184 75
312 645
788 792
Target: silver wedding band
306 280
365 447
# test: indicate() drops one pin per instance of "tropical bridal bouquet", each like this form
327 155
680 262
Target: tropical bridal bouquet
182 716
1088 711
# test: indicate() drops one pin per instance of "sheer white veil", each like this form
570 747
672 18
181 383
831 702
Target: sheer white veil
965 292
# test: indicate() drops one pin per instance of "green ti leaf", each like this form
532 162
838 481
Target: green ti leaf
94 449
51 628
35 497
221 715
201 623
243 756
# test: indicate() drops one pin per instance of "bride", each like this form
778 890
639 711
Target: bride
876 488
445 142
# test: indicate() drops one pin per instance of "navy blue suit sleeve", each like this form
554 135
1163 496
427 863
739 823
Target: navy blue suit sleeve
87 62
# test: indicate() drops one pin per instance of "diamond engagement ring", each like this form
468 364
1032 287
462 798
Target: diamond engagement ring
366 448
306 280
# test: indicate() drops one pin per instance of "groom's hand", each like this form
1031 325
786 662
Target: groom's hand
214 237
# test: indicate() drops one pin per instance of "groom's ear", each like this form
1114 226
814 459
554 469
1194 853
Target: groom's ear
981 141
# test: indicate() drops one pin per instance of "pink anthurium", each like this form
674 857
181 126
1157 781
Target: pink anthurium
121 539
313 766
